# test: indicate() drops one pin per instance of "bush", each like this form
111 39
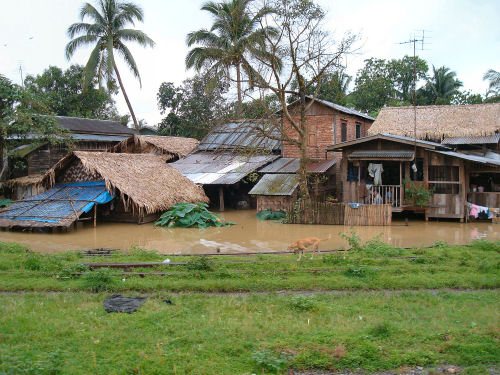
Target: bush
353 240
33 262
376 247
270 361
189 215
98 281
201 263
70 271
270 215
12 248
356 271
302 303
143 254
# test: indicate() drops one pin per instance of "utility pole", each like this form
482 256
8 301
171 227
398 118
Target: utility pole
414 40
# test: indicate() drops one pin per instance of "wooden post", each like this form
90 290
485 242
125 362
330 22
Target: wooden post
95 215
401 187
221 198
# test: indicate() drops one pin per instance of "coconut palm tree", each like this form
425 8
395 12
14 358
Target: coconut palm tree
235 33
107 32
494 86
442 85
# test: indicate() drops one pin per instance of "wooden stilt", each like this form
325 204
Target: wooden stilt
221 198
95 215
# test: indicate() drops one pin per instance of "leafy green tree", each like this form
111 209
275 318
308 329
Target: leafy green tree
192 108
493 94
24 118
466 97
234 37
373 86
441 87
67 96
402 72
108 33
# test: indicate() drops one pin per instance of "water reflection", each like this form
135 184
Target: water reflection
249 234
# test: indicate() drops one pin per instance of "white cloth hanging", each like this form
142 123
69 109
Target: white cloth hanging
375 171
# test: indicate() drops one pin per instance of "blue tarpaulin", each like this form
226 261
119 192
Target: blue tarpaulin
62 203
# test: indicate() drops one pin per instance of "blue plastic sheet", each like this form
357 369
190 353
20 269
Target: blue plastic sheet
61 202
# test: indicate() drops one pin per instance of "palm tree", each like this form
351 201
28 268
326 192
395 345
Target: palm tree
235 32
442 85
494 86
107 33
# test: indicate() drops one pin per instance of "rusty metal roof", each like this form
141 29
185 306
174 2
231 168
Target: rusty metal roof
291 165
276 184
208 168
473 158
495 138
407 155
240 135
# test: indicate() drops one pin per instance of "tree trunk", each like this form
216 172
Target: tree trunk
5 159
136 125
238 83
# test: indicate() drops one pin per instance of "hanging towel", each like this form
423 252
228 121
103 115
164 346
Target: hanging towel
375 171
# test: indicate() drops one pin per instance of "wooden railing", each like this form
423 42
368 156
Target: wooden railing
384 194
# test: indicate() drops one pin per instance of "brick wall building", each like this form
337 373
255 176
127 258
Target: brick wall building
328 124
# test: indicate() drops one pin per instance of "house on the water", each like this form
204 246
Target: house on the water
225 160
454 153
327 123
126 187
87 135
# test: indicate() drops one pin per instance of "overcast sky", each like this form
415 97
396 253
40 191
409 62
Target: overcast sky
463 35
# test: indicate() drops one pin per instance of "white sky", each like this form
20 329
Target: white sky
464 35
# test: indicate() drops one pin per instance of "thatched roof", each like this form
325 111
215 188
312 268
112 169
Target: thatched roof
144 182
175 146
32 179
439 121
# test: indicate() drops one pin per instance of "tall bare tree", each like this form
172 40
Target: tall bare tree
298 59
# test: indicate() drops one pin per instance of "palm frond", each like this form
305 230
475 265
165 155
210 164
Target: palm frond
129 59
74 44
88 10
93 62
131 35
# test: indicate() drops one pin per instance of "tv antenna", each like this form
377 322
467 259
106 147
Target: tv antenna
415 40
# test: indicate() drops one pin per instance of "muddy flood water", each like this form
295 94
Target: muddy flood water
249 234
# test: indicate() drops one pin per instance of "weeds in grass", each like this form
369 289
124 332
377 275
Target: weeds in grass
200 263
33 262
333 258
486 245
99 280
302 303
12 248
376 247
52 365
382 330
269 361
486 266
353 240
440 244
142 254
356 271
71 271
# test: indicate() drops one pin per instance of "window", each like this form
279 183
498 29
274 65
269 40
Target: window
311 136
352 172
444 179
343 132
358 130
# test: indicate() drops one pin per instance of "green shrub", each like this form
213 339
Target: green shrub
376 247
143 254
357 271
5 202
200 263
98 281
70 271
418 195
269 361
12 248
353 240
33 262
302 303
270 215
189 215
333 258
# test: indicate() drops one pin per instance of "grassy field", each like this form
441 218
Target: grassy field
374 307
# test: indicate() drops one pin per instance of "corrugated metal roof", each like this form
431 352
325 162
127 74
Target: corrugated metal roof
98 137
474 158
343 109
94 126
208 168
291 165
382 155
276 184
495 138
367 138
239 135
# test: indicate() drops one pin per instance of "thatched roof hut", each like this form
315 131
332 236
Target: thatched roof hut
145 183
439 121
173 147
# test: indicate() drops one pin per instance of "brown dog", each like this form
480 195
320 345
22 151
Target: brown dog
300 246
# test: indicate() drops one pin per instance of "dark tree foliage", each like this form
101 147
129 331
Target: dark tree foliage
402 72
466 97
255 108
192 108
440 88
66 95
24 118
